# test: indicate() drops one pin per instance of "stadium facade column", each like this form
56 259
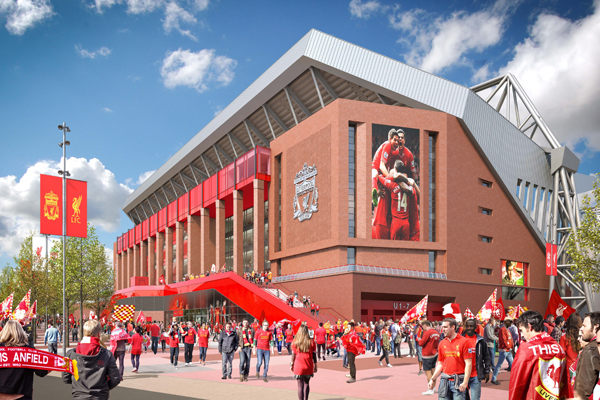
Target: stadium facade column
194 244
169 255
122 269
258 242
160 244
363 181
144 258
136 260
129 267
238 232
207 244
179 255
116 266
151 260
220 233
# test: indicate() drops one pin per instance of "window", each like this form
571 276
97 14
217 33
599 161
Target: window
526 195
485 211
514 293
352 181
485 239
519 187
486 271
248 239
533 207
267 264
432 257
485 183
278 166
351 256
432 189
229 243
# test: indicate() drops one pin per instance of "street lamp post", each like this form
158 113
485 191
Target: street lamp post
64 128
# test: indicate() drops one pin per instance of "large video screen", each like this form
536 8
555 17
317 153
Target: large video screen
395 189
514 273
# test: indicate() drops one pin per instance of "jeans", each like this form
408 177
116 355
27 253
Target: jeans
279 344
135 360
345 359
262 355
320 350
74 335
378 345
188 352
245 356
52 347
154 344
202 354
502 355
411 346
121 358
288 346
163 345
351 357
385 355
492 355
419 352
453 394
227 359
392 344
474 391
174 355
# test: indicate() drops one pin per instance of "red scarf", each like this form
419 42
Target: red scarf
25 357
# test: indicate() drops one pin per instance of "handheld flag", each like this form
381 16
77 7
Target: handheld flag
6 306
469 314
452 310
499 313
33 311
71 319
93 315
416 312
21 313
486 311
141 318
555 302
515 312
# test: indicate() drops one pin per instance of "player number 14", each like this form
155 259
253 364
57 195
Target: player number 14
402 201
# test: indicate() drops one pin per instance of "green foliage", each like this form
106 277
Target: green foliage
584 246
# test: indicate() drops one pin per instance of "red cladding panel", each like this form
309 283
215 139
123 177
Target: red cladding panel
183 206
251 163
119 244
125 241
131 239
226 180
240 169
172 213
138 233
162 219
153 224
145 229
196 199
263 163
209 191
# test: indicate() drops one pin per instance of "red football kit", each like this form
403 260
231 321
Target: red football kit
453 353
429 343
190 337
400 227
320 335
413 216
154 330
203 337
263 339
537 372
472 341
406 156
380 229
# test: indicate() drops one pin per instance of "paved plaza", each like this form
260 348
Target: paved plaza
157 377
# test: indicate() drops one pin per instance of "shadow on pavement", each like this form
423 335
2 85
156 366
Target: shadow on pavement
51 387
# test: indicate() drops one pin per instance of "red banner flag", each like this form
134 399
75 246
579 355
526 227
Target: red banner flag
499 312
71 319
50 205
416 312
25 357
486 311
76 208
6 306
557 302
551 259
141 318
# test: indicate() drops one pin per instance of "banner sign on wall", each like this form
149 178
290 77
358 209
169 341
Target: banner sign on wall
551 259
51 201
306 193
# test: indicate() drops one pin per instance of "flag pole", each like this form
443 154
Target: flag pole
64 128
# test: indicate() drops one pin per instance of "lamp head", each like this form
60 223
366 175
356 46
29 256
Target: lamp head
60 127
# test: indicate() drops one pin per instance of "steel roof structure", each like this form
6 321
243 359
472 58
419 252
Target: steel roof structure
320 68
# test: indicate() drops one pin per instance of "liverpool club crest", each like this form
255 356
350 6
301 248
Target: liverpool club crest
307 194
51 206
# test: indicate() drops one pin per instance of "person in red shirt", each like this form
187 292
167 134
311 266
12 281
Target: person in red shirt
263 340
505 347
189 339
289 338
429 349
454 363
136 348
537 372
317 308
321 338
312 308
203 335
570 344
354 347
154 335
386 151
304 361
174 334
245 343
400 193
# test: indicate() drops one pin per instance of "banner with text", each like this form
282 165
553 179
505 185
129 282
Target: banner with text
51 206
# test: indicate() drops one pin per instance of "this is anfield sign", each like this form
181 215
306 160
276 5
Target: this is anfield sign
51 206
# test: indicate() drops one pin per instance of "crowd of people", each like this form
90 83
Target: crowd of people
552 358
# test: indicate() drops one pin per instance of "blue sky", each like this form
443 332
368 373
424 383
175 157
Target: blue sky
136 79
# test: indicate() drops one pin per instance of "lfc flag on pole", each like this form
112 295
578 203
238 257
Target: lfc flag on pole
21 313
6 306
141 318
93 315
51 202
499 312
486 311
33 311
71 319
416 312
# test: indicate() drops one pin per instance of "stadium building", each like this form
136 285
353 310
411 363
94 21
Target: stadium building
285 179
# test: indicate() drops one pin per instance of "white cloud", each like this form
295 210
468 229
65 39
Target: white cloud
201 5
186 68
359 9
108 110
102 51
24 14
133 6
144 176
558 66
438 43
174 14
20 206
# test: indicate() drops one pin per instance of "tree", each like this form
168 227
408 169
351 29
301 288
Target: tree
584 246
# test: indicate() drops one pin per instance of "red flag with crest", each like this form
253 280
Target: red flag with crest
6 306
417 311
71 319
141 318
555 302
499 312
33 310
486 311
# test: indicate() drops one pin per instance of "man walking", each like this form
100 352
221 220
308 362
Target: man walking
354 347
489 335
481 368
505 346
429 345
588 364
228 344
52 337
263 340
454 364
154 335
189 341
118 341
245 341
321 339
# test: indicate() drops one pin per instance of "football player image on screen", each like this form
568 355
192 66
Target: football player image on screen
384 154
